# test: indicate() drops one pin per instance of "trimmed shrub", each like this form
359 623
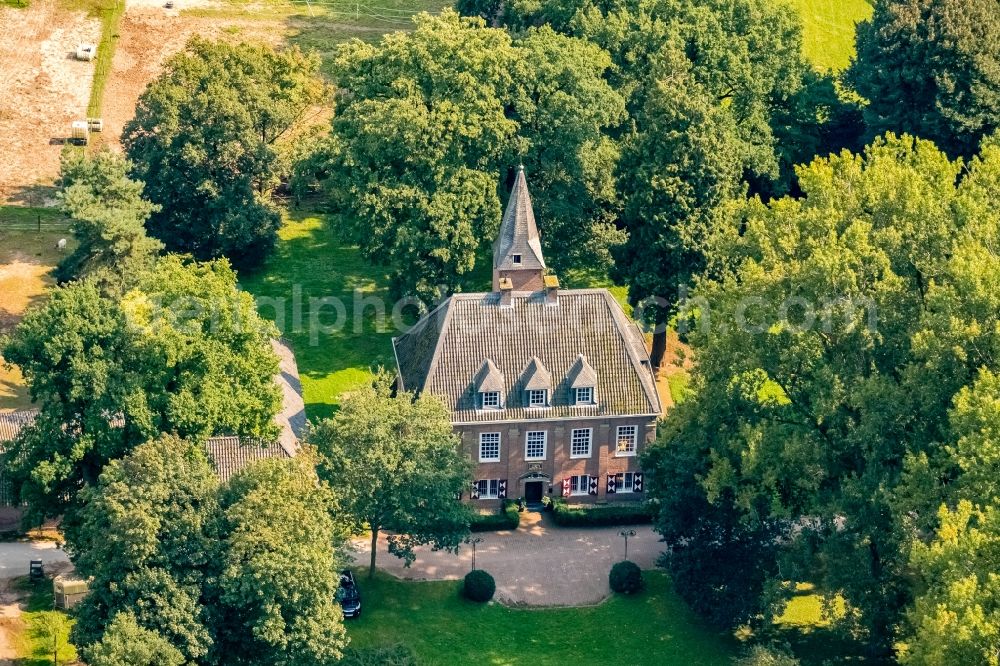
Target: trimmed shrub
626 577
601 515
479 586
506 518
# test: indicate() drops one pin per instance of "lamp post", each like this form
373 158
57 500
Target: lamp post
474 541
625 534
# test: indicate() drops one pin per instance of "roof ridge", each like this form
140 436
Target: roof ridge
618 314
436 357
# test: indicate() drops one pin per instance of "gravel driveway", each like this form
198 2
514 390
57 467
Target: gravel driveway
539 564
15 556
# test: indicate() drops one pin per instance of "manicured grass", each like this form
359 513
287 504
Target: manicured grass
310 261
828 30
653 627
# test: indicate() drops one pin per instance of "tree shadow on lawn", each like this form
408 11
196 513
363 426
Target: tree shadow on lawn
321 294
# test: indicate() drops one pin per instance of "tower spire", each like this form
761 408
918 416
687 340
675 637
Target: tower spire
517 253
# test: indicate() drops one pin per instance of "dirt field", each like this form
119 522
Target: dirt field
26 258
150 34
44 90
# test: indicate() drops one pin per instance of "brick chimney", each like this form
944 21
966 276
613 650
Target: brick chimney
551 290
506 288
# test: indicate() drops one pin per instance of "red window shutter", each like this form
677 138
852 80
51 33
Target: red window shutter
593 485
637 482
612 487
566 487
502 489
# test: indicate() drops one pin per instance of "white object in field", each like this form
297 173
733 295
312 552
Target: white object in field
86 52
95 124
79 132
61 245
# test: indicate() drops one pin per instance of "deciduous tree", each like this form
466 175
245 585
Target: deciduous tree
282 553
125 643
207 139
182 351
148 539
931 68
396 465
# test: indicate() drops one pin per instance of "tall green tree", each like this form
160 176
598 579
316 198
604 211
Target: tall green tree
831 339
280 567
397 467
209 139
430 123
148 539
182 351
956 617
109 213
125 643
931 68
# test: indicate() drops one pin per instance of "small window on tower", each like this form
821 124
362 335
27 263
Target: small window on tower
517 260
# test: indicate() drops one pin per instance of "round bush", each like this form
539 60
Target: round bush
479 586
626 577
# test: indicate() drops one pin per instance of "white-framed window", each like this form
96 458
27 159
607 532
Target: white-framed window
585 395
534 445
579 485
537 398
488 488
625 482
579 442
517 260
489 447
491 399
626 441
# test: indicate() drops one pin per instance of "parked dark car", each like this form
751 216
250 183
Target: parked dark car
349 595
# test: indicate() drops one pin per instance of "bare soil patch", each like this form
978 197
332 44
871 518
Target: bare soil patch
151 34
44 89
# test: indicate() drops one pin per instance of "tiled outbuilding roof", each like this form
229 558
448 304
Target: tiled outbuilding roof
445 352
228 454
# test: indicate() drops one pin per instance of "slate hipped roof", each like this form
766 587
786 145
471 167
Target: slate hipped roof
548 339
518 231
447 349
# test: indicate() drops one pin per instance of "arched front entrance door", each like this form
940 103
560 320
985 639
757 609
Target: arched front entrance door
535 484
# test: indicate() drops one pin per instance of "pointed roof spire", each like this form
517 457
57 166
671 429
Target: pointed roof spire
518 236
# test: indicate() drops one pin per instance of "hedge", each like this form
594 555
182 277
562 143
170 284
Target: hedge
599 515
506 518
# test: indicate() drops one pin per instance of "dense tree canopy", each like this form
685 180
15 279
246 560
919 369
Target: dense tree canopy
831 341
148 539
282 554
396 464
207 139
931 68
428 122
182 351
108 213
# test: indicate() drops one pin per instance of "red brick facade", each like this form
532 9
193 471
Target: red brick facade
558 464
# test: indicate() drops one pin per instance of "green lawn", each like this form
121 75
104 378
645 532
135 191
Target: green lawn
828 29
310 261
441 627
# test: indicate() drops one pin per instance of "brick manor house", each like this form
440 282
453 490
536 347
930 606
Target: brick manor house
550 390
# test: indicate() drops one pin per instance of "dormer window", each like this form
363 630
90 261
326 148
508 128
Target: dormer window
490 399
585 395
538 398
517 260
